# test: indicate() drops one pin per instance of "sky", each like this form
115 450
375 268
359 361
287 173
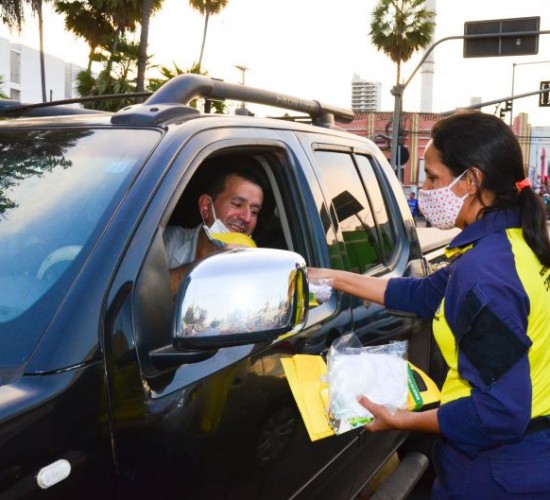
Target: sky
312 48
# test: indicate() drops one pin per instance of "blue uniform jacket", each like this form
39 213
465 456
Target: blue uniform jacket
494 301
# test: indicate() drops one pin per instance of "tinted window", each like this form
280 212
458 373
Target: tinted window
378 204
352 209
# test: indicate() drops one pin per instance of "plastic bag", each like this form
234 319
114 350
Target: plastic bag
377 372
320 291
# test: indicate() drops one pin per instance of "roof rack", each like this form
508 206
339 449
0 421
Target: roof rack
183 88
12 108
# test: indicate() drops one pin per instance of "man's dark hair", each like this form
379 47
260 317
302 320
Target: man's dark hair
220 167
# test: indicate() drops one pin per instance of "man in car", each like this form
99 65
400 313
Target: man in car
231 204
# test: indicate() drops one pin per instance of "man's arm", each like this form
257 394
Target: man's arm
176 277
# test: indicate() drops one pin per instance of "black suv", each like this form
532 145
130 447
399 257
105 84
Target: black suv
110 387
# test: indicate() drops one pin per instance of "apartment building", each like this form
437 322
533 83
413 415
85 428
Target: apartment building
20 72
365 95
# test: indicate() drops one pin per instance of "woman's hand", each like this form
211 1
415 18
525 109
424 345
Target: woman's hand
384 420
364 287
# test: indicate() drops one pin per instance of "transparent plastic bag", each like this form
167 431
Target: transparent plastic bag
377 372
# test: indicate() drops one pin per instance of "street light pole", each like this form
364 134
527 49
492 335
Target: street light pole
398 90
243 70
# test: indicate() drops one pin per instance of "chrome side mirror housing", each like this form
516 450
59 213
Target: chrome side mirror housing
241 296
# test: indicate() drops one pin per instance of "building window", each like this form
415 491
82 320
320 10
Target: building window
15 94
15 67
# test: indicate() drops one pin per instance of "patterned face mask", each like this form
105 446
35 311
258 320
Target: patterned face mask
441 206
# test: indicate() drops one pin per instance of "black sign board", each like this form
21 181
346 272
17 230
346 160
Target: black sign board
498 45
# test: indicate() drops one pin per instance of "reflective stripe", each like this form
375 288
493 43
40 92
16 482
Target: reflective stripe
535 278
454 387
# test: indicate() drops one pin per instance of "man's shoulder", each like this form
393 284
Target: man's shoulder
178 232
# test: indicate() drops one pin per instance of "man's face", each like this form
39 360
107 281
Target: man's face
238 205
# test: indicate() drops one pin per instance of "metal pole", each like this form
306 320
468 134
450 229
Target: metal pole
397 92
512 106
243 69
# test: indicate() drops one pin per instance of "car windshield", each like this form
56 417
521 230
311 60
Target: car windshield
58 189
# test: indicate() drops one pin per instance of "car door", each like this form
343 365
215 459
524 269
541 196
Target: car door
226 426
370 238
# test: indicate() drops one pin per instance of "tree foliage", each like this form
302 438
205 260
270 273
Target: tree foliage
107 26
168 74
2 95
115 78
11 13
85 20
401 27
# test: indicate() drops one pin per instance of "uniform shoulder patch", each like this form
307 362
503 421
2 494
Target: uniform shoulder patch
485 339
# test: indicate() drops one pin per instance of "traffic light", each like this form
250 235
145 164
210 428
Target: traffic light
544 97
506 109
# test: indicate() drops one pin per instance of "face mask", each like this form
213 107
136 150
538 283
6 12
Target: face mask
219 234
441 206
216 229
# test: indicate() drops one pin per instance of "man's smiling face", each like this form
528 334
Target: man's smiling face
239 204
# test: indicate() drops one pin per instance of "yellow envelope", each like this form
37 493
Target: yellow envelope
305 374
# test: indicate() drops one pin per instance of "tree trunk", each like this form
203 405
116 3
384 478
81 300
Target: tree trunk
398 72
143 43
206 17
41 42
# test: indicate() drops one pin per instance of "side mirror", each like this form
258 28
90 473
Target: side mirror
241 296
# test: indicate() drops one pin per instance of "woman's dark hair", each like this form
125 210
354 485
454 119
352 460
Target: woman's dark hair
469 139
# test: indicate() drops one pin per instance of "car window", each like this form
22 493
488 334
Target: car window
352 210
57 190
386 228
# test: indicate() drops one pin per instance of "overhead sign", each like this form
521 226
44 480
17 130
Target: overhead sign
498 45
544 98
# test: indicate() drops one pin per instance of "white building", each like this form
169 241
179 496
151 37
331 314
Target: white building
365 95
20 72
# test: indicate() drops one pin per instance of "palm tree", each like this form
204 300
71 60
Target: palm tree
207 8
86 21
146 11
400 27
